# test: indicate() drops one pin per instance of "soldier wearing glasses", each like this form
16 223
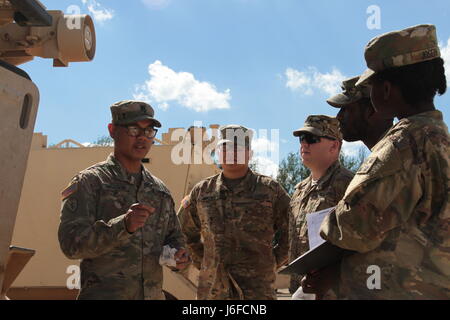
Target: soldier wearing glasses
320 146
230 221
116 216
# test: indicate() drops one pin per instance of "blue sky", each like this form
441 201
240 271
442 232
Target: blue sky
266 64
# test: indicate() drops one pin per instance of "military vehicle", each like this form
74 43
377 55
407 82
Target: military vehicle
28 30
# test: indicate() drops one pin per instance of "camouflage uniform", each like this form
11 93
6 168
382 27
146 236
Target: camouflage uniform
231 232
309 197
395 212
114 263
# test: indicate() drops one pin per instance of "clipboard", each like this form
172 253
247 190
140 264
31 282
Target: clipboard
321 254
315 259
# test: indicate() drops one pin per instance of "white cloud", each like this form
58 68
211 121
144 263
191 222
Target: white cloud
99 12
311 80
266 155
263 145
166 85
266 166
156 4
445 52
351 149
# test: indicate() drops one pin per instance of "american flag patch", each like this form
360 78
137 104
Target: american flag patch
70 190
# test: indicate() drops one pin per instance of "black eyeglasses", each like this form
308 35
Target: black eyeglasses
311 139
135 131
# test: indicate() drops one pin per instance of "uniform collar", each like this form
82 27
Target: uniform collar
120 172
433 114
324 179
247 184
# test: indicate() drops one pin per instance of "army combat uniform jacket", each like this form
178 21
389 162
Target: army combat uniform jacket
396 215
308 198
231 236
116 264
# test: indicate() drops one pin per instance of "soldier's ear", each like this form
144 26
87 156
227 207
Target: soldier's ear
112 130
335 146
387 90
369 112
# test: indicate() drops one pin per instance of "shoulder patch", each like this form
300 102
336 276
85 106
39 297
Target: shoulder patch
70 190
367 165
186 202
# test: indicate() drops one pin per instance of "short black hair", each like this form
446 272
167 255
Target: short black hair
418 82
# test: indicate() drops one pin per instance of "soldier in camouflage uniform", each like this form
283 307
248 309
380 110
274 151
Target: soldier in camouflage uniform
230 221
358 120
395 213
116 216
321 142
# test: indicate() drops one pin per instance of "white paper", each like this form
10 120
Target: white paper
314 221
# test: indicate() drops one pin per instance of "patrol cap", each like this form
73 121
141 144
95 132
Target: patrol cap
130 111
400 48
236 135
350 93
322 126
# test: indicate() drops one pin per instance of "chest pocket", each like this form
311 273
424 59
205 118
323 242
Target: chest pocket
155 229
114 201
210 213
256 214
301 228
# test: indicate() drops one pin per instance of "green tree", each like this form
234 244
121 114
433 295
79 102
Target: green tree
103 141
353 163
254 165
291 171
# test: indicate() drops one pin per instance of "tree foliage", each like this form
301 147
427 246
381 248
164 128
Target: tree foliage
103 141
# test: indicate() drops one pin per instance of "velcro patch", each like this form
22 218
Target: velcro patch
367 165
70 190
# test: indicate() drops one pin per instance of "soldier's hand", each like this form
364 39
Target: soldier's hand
182 258
136 216
320 281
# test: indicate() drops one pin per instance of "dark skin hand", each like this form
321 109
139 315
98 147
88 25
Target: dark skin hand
182 258
136 216
135 219
321 281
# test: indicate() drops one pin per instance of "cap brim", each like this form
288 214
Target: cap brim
224 141
311 130
365 77
155 122
340 100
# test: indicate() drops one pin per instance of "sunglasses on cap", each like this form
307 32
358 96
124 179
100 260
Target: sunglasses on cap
311 139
